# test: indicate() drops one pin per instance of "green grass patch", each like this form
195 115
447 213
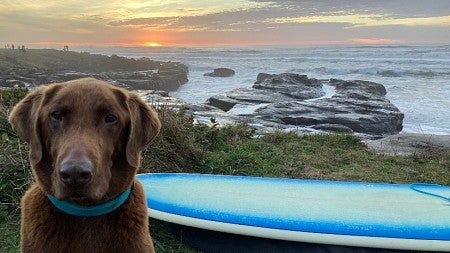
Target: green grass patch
324 156
184 147
15 174
9 234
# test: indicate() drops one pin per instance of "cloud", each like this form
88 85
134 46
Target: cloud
395 8
237 20
275 13
291 21
365 20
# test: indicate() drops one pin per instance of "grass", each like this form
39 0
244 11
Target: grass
324 156
9 234
184 147
15 174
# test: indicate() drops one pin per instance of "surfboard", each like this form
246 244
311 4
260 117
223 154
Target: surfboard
360 214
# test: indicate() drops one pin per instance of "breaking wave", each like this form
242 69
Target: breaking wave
377 72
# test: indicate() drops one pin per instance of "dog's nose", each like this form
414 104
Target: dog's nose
75 173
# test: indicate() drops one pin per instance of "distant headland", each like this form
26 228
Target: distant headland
33 67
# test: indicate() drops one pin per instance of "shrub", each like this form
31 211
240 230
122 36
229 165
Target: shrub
183 146
175 148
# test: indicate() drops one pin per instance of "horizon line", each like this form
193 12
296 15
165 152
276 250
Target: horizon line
57 45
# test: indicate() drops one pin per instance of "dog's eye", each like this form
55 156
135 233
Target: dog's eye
110 118
56 115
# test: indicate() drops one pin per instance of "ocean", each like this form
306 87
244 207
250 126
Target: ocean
417 78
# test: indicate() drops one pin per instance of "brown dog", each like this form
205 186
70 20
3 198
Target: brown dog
85 139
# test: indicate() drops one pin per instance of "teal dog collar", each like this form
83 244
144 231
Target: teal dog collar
90 211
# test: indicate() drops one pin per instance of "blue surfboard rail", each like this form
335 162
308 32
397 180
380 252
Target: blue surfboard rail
315 206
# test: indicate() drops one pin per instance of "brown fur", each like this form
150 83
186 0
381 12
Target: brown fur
98 126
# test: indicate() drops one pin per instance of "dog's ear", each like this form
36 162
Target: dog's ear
23 119
144 126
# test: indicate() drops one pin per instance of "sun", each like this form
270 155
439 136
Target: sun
152 44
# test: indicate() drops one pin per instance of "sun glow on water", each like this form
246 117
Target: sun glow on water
152 44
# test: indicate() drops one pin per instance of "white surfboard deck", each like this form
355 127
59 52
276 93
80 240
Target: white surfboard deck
378 215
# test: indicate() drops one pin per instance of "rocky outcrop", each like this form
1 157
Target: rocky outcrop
291 85
270 89
221 72
291 100
229 99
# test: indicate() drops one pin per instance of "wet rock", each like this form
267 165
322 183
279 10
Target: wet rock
262 76
335 128
222 102
227 100
291 85
369 118
271 89
221 72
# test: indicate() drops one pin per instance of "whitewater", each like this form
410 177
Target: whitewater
417 78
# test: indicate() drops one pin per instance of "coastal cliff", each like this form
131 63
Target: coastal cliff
33 67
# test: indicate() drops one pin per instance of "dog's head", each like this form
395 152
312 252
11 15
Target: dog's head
85 138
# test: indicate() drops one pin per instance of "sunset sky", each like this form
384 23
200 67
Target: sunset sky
227 22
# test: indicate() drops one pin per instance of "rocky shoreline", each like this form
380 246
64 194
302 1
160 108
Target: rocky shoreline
286 101
399 144
295 102
403 144
298 101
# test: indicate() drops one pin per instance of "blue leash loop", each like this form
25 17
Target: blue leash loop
415 187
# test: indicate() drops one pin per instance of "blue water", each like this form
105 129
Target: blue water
417 78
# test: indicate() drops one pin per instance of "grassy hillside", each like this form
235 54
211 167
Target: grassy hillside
183 147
